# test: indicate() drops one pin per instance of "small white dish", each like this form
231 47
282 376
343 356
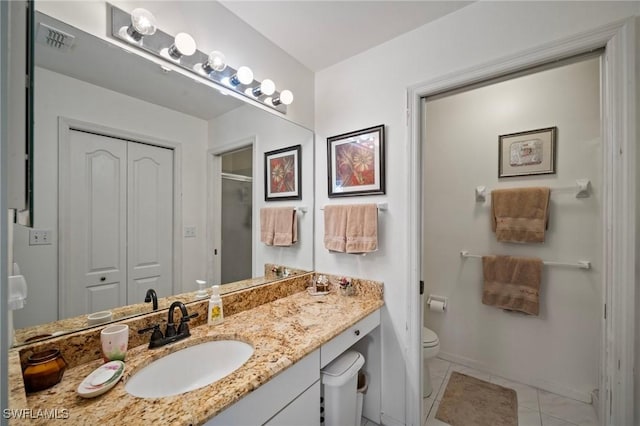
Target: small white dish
101 379
312 292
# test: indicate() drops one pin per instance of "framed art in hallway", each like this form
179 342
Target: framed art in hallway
527 153
282 174
355 163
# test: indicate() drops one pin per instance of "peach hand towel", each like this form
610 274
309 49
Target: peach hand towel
286 226
267 225
335 228
512 283
362 228
520 215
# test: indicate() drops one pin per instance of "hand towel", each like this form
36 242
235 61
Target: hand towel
512 283
335 228
520 215
267 225
285 227
362 228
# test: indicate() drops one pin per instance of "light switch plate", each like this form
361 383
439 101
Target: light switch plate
40 237
189 231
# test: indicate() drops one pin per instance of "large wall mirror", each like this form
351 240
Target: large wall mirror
144 178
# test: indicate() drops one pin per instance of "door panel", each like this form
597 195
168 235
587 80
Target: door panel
97 213
150 221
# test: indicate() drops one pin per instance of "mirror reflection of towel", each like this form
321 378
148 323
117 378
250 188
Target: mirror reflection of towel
520 215
512 283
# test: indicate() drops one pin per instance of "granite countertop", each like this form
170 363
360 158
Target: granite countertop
282 332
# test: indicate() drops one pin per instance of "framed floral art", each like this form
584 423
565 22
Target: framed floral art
356 163
282 180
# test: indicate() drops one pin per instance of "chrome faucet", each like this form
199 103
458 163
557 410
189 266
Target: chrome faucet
151 296
171 334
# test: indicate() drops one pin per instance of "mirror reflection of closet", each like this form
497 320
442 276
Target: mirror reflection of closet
236 214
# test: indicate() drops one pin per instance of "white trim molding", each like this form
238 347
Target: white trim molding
619 212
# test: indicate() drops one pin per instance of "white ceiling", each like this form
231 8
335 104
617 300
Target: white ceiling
322 33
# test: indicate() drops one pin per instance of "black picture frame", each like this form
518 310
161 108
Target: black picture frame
283 174
528 153
356 163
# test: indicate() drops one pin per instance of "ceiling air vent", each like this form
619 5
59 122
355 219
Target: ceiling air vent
54 38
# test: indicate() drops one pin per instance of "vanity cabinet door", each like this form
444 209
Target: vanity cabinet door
267 401
304 410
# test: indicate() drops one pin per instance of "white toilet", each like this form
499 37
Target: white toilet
430 348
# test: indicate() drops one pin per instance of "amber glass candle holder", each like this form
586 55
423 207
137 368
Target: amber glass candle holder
44 369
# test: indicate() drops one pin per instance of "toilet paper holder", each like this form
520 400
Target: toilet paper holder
435 298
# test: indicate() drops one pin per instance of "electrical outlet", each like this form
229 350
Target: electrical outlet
40 237
189 231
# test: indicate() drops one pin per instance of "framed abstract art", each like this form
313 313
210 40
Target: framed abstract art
283 178
355 163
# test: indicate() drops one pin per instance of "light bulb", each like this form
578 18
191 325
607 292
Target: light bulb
267 87
286 98
183 45
244 75
215 62
143 23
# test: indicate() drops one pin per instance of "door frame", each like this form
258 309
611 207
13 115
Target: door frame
619 134
65 126
214 197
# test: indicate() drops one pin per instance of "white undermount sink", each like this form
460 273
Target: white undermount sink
189 369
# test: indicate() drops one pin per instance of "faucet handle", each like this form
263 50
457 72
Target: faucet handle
156 335
183 328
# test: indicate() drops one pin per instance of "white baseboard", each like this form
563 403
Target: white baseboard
389 421
553 387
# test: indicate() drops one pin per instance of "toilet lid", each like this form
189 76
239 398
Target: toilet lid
429 338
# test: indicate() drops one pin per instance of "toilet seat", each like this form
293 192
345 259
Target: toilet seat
429 338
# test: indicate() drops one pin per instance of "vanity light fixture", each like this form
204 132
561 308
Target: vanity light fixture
183 45
143 23
139 30
285 98
244 75
267 87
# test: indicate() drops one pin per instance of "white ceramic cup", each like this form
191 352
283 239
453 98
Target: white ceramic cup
115 340
99 317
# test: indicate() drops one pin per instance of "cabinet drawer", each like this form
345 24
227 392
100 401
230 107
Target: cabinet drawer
330 350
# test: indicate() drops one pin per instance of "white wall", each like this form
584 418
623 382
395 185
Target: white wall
56 96
214 28
558 350
271 133
370 89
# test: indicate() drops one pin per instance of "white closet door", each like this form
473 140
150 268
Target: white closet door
96 245
149 221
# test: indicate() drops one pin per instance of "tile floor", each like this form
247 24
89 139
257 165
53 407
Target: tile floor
535 407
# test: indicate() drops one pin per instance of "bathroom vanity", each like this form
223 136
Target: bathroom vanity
293 338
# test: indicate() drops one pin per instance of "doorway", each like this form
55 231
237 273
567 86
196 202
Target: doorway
617 351
236 215
461 131
117 210
230 228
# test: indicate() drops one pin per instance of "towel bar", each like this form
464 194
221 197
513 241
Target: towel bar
381 206
301 209
582 188
582 264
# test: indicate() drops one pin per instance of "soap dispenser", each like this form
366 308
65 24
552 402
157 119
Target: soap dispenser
215 314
